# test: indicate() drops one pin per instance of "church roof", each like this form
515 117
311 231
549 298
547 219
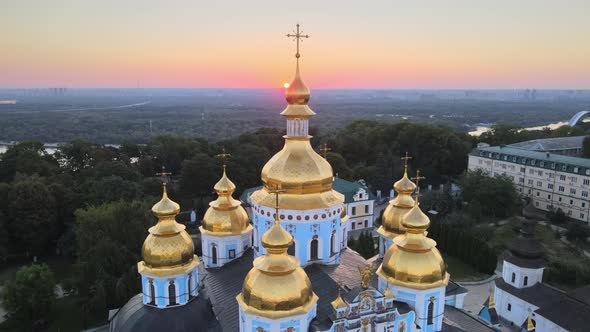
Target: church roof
456 320
349 189
554 304
135 316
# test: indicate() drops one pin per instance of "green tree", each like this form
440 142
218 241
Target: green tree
339 166
109 238
26 158
198 176
29 297
171 150
496 195
76 155
33 215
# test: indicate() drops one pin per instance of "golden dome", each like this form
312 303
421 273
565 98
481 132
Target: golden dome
339 303
276 286
298 169
297 93
168 246
398 207
412 260
225 215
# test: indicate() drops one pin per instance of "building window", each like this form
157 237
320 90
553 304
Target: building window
522 169
430 312
584 194
152 294
586 182
559 199
583 204
571 202
533 163
542 164
333 243
509 307
548 196
232 253
530 182
569 213
353 225
564 167
537 204
553 165
402 326
582 215
540 173
531 171
171 293
354 211
513 277
539 183
574 179
572 191
521 180
360 196
314 249
561 188
562 177
538 193
526 281
366 223
550 186
213 254
575 170
366 208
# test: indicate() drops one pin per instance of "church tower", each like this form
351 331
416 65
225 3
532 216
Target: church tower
276 294
391 222
415 272
310 209
169 270
226 232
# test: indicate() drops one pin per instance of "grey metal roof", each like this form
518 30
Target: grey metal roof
134 316
555 305
550 144
533 158
458 320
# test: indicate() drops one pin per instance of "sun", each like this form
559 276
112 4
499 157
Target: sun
286 85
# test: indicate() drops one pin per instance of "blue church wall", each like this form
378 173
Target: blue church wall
303 234
161 285
256 324
293 324
485 315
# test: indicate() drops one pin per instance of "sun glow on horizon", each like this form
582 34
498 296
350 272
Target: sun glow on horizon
286 85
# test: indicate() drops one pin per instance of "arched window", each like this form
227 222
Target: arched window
513 277
314 248
213 254
171 293
402 326
526 281
291 250
430 312
333 243
152 292
189 285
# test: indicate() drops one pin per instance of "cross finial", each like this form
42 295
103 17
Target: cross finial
223 156
417 179
276 191
325 149
405 159
164 175
297 35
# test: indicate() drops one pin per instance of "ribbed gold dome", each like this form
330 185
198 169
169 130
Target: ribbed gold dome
305 176
404 185
413 260
399 206
168 245
276 286
225 215
339 303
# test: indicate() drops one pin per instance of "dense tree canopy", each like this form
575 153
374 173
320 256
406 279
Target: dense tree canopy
492 196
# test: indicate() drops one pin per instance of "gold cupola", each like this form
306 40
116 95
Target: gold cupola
392 216
168 249
225 215
413 261
276 286
298 169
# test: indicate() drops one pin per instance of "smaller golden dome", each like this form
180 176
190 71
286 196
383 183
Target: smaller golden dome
297 93
398 207
225 215
404 185
276 286
412 260
339 303
168 245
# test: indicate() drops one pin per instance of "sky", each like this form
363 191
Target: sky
413 44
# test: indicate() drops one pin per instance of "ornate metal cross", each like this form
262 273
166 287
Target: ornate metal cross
298 36
223 156
417 179
405 159
276 191
164 175
325 149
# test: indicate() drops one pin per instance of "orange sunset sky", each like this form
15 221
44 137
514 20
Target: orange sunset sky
441 44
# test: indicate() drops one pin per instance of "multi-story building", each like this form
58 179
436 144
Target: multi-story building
552 181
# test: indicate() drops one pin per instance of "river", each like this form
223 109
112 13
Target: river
482 129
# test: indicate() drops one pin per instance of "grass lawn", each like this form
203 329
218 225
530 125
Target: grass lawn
460 271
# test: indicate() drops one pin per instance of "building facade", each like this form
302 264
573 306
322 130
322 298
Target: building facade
551 181
359 203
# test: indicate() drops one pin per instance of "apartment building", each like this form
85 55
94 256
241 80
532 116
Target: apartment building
550 180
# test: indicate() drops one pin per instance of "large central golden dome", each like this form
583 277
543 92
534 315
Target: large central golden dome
225 215
276 286
412 260
297 169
